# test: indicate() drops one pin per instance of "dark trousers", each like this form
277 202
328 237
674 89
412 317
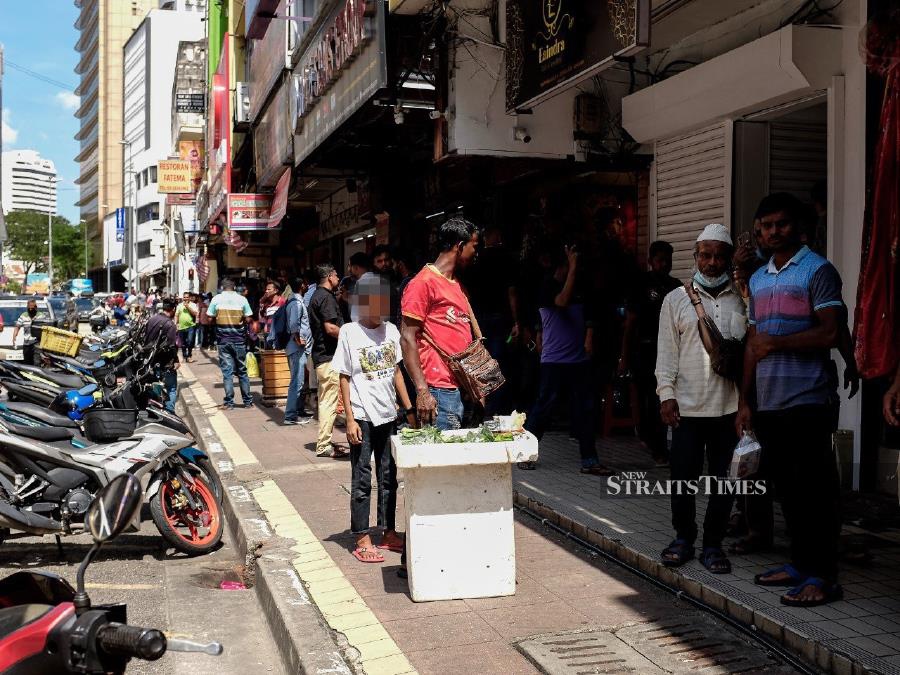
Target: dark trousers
496 329
694 439
375 440
797 446
575 380
186 335
652 430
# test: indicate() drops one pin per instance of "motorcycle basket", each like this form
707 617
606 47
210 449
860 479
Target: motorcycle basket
105 425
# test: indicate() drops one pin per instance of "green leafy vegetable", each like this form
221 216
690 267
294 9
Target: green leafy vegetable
428 435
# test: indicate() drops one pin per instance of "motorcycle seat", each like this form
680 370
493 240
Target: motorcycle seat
61 379
42 434
83 364
41 414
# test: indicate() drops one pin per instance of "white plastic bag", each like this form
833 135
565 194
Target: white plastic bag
745 460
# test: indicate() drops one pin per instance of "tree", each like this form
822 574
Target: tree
28 243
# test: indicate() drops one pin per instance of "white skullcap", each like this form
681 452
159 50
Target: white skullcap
715 232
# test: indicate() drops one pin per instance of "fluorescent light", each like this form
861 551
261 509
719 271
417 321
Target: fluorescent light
369 236
418 105
434 215
418 84
311 184
358 239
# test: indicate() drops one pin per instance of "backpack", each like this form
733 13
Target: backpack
279 334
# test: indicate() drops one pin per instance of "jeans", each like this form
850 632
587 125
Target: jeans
186 335
798 452
496 329
297 363
375 440
576 379
449 412
233 358
329 389
169 379
694 439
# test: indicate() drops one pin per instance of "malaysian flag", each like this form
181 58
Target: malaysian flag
234 240
201 264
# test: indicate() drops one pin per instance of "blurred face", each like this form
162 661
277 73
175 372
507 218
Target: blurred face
713 258
371 303
468 252
383 262
661 263
271 290
778 232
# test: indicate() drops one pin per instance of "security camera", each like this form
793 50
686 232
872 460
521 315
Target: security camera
435 114
521 134
399 117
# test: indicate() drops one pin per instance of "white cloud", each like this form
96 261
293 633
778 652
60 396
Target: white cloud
10 135
68 100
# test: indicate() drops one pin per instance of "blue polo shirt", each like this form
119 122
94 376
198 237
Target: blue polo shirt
784 302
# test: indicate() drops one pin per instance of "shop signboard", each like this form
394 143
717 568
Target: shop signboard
180 200
268 59
38 282
553 44
190 103
249 211
272 143
174 176
342 68
192 151
120 224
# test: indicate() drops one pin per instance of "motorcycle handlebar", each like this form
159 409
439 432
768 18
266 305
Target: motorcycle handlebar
148 644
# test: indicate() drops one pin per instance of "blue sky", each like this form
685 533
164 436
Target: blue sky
39 35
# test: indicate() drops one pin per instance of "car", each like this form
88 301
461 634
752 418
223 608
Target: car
85 306
66 313
11 309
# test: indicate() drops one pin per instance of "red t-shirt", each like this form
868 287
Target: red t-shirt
443 309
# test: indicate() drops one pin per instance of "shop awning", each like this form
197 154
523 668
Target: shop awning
777 68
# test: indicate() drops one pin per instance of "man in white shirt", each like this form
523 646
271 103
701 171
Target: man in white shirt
698 404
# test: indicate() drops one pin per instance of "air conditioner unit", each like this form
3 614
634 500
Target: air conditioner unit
241 105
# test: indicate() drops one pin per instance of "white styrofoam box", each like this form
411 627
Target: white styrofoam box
459 517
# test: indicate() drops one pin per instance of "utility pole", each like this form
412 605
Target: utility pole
50 236
3 235
84 228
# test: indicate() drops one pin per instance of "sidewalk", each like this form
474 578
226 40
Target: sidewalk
864 627
561 588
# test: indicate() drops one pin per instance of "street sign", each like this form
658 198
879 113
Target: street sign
120 224
190 103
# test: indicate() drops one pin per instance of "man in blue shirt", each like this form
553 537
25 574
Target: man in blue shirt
796 311
299 344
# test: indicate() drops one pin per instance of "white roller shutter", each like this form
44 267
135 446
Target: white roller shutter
692 189
798 157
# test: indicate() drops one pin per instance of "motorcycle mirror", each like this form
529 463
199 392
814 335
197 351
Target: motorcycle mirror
114 507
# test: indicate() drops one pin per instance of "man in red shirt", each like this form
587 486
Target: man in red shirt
434 303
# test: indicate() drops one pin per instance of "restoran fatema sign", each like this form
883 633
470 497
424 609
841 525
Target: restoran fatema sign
175 176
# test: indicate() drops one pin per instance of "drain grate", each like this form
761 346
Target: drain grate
697 646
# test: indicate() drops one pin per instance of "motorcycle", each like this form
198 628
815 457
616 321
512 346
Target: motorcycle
47 627
48 478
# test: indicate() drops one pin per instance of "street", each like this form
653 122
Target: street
177 595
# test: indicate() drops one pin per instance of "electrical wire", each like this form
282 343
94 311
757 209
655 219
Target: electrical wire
38 76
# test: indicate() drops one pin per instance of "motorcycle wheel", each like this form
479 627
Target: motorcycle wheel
190 531
205 469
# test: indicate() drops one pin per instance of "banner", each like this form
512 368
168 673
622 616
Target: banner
190 103
37 283
174 176
120 224
279 201
249 211
192 151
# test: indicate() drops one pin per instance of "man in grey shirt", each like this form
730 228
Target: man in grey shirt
298 347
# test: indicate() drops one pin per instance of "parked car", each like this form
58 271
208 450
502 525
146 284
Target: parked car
11 309
85 306
65 311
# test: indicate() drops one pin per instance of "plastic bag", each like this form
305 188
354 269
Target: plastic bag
252 365
745 460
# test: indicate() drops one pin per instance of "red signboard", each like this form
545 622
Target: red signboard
249 211
279 202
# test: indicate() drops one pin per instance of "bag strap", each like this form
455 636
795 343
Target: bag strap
476 329
694 297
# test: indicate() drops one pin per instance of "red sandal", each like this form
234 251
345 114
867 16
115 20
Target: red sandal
376 557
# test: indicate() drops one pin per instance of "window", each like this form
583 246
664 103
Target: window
145 177
153 174
143 249
148 212
137 181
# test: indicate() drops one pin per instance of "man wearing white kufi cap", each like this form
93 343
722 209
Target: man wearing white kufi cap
698 404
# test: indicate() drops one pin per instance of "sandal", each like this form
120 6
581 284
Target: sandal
527 466
830 593
794 576
598 470
367 555
714 560
677 553
749 545
396 548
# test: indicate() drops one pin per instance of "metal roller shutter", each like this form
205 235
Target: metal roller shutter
693 189
798 157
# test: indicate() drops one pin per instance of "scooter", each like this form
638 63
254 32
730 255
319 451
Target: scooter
47 627
47 481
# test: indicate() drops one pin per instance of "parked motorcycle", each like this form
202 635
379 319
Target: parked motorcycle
47 627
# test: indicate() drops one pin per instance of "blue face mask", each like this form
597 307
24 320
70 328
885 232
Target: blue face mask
711 282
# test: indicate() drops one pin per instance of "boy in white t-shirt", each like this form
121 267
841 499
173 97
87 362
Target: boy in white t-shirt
367 358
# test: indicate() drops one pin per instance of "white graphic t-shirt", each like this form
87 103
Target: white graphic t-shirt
369 356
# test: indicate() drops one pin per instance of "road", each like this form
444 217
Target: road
178 595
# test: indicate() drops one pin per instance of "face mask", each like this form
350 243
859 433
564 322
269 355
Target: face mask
32 312
711 282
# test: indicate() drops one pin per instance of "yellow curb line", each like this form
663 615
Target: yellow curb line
334 595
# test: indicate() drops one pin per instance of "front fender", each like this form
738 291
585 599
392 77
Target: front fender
192 454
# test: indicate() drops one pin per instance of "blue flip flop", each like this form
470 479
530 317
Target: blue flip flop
795 576
831 592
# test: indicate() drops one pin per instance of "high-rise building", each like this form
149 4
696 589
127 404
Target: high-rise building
29 182
104 26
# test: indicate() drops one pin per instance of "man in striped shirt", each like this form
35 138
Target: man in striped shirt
796 312
231 313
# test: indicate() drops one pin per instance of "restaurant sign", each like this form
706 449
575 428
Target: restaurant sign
553 44
175 176
341 69
190 103
249 211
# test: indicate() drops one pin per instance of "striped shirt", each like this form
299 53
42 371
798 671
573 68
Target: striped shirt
784 302
683 369
229 310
